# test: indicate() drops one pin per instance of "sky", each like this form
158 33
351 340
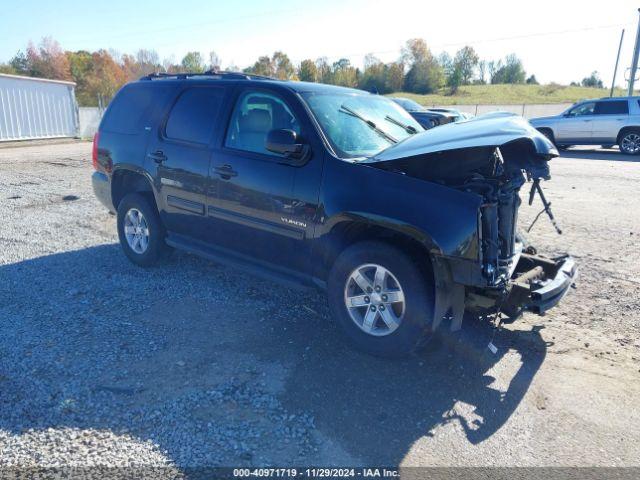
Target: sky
558 41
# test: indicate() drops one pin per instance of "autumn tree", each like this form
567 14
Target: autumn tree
373 76
511 71
425 74
48 60
215 63
263 66
192 62
325 75
283 68
103 80
308 71
344 74
81 66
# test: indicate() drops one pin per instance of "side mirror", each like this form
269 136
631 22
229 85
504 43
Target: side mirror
286 142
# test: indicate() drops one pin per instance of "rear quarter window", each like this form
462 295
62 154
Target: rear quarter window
194 116
131 107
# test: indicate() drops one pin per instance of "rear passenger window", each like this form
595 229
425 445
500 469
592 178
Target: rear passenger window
194 115
129 107
612 108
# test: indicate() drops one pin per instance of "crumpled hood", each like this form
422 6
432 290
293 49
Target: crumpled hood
490 130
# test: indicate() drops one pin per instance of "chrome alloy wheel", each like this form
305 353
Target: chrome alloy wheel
630 143
136 231
374 299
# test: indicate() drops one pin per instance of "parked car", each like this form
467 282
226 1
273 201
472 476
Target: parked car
458 115
427 118
603 121
321 186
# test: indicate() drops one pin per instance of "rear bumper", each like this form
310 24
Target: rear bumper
102 189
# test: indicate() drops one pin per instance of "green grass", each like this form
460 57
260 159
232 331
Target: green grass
509 94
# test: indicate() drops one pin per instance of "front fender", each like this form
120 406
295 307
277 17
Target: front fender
443 219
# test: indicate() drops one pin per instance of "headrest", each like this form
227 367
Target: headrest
256 120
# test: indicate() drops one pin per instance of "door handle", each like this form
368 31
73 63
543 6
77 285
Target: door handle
226 171
158 156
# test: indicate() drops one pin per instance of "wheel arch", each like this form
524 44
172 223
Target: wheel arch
550 131
348 231
125 181
625 130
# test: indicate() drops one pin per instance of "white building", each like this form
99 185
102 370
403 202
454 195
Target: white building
32 108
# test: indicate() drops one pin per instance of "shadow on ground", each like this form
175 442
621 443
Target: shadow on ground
597 153
121 341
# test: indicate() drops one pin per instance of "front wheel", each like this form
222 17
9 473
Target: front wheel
381 299
630 142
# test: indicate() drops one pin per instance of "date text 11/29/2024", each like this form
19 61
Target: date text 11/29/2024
319 472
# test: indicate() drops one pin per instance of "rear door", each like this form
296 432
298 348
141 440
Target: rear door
610 117
265 208
577 124
179 154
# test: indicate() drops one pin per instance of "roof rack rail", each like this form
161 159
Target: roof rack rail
209 73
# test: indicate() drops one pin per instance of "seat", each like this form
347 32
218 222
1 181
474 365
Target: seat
253 128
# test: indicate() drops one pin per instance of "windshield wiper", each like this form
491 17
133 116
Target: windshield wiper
372 125
408 128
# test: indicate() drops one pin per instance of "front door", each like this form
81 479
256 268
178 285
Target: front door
265 208
179 155
577 124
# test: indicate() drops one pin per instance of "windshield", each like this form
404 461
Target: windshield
360 125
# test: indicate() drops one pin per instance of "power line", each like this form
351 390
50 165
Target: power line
490 40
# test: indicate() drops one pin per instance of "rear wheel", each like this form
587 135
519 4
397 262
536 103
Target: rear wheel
381 299
140 230
630 142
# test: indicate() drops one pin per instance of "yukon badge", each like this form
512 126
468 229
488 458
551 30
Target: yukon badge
290 221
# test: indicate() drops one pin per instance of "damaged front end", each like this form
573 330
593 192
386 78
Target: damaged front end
491 157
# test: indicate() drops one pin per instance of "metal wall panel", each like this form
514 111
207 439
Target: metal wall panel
33 108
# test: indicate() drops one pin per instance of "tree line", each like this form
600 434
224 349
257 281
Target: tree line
98 75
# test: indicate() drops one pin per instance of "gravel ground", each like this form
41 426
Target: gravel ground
194 364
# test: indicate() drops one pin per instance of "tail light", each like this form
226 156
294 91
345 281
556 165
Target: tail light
94 151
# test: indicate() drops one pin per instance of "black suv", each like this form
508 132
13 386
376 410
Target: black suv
336 188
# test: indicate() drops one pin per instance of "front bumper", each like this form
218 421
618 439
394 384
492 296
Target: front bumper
539 283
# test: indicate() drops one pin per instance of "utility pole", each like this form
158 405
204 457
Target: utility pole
615 70
634 63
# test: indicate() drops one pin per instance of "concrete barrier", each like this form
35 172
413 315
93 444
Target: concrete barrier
526 110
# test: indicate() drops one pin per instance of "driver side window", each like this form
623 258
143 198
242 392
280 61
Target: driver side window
254 115
583 109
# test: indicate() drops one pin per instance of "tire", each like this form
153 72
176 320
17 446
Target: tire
630 142
414 314
549 134
148 252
